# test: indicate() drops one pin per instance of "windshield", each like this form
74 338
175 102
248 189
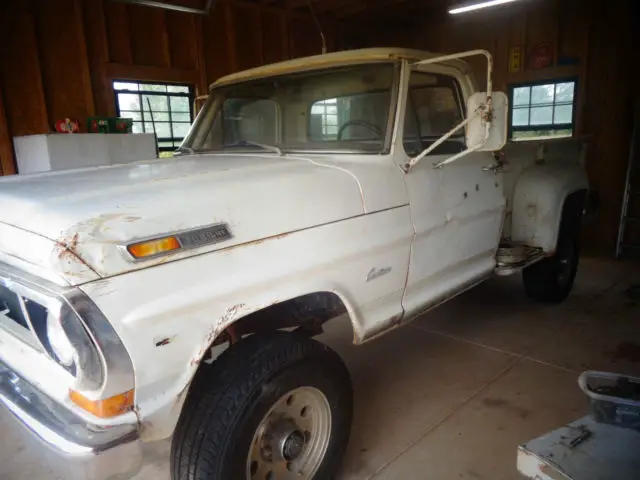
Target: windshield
346 108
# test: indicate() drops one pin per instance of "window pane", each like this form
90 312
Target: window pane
165 145
437 108
181 117
331 119
128 101
249 119
179 104
541 115
132 115
157 116
152 87
125 86
137 128
521 96
565 92
180 130
158 103
563 114
520 117
542 94
162 129
178 88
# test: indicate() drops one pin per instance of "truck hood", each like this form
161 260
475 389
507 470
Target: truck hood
84 216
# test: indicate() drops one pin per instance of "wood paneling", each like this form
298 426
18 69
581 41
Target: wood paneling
248 36
149 42
59 59
117 27
25 103
63 60
183 49
7 165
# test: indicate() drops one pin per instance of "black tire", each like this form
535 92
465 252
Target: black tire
228 400
551 279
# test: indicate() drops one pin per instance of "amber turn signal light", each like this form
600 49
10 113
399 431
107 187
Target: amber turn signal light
105 408
153 247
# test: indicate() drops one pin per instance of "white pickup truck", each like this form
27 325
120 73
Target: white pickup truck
177 297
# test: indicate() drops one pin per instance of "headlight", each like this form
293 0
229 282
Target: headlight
60 345
64 337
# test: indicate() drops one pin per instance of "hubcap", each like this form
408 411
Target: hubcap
292 438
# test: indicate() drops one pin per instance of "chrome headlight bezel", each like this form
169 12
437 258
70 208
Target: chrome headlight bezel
97 347
86 367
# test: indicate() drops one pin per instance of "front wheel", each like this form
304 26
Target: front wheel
274 406
551 279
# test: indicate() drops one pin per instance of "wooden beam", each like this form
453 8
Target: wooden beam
164 41
118 34
202 87
147 73
84 72
98 53
7 160
231 37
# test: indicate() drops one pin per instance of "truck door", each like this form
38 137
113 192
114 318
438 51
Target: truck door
457 211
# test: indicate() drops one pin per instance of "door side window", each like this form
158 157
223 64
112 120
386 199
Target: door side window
434 107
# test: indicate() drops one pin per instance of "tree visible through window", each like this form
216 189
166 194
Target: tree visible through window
543 110
165 109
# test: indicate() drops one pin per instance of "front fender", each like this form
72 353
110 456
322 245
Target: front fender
538 202
169 315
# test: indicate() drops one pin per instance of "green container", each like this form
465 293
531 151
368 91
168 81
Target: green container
120 125
98 125
109 125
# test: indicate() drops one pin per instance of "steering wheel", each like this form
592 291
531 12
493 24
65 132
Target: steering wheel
359 123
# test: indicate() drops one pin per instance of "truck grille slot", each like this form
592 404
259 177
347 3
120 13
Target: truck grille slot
10 306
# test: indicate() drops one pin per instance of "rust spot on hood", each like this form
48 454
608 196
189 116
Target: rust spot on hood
67 246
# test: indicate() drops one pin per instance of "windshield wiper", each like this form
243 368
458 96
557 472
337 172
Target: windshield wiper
248 143
184 150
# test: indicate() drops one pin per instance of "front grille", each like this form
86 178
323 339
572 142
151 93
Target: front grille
11 306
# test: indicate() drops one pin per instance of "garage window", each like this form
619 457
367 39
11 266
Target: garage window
324 117
542 110
166 109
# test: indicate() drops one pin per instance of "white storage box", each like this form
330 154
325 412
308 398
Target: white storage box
40 153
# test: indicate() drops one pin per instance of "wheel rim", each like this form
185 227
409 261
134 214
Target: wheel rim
292 438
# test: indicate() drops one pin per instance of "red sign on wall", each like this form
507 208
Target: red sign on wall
541 56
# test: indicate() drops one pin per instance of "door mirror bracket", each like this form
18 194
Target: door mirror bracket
486 120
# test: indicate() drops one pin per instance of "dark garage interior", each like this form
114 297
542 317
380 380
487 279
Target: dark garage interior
453 394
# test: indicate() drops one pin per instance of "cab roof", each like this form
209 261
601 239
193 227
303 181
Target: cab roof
345 57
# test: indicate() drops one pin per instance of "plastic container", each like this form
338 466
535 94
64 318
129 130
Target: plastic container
614 399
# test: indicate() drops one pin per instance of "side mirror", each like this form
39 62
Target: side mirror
476 128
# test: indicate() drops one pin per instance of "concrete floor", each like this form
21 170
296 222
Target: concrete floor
453 394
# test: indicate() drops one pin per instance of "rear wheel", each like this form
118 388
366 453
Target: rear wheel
272 407
551 279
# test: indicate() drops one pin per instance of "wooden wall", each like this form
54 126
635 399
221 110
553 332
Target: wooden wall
596 33
58 58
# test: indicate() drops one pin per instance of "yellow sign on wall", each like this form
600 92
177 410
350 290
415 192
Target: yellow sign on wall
515 59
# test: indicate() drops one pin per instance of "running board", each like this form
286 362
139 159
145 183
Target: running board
513 258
